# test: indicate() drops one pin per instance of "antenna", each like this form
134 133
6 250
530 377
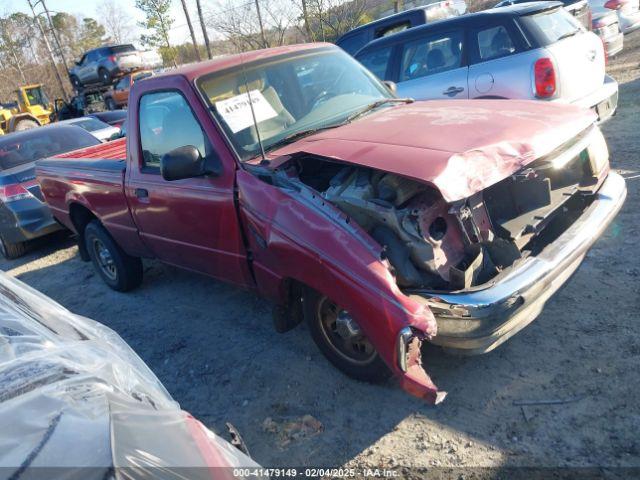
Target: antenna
253 113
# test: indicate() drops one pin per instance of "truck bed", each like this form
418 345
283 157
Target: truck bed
89 180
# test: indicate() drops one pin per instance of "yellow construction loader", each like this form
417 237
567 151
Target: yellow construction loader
32 109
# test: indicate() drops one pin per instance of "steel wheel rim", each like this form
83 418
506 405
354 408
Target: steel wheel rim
356 350
104 259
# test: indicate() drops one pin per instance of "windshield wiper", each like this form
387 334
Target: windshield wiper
299 134
376 104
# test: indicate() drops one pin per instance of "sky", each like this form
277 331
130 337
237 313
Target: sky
89 8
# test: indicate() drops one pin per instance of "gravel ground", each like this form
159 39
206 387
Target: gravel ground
214 348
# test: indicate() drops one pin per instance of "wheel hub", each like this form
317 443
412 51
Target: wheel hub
347 327
105 259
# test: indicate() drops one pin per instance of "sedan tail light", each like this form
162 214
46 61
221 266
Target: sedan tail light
545 78
13 193
112 58
614 4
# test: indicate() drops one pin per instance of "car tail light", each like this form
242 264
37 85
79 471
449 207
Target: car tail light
614 4
112 58
604 48
13 193
590 24
545 78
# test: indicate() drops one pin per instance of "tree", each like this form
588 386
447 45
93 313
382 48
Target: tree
15 34
158 23
118 25
193 35
329 19
241 24
203 25
78 34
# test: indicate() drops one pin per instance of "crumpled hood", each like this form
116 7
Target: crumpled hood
460 146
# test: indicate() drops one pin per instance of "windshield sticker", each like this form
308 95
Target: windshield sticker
236 111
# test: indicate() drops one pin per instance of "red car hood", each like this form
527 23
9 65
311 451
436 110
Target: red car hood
460 147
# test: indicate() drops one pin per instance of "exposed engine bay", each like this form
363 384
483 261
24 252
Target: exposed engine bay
434 245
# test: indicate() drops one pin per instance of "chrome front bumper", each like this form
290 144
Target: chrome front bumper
475 322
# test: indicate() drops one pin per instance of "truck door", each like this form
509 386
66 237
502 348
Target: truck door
191 223
433 66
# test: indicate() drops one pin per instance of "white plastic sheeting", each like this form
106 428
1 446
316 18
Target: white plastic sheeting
77 402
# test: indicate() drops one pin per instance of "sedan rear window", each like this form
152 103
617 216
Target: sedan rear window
553 25
25 147
90 124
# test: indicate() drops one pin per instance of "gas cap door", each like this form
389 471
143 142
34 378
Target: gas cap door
484 83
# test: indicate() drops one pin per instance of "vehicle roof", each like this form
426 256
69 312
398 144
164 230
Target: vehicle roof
35 132
388 18
195 70
477 19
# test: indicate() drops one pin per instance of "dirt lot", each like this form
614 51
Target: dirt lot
214 348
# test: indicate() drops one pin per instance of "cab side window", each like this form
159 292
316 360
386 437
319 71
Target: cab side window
166 122
377 61
494 42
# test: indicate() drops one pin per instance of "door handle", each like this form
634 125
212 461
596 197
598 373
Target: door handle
142 193
452 91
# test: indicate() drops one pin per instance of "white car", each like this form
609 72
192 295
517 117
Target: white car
628 12
99 129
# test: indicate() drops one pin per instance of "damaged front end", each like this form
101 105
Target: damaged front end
485 264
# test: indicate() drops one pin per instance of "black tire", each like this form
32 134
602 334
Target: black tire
110 103
11 250
369 369
120 271
23 125
75 81
104 76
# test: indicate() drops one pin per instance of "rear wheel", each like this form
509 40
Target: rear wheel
120 271
11 250
340 339
104 76
25 125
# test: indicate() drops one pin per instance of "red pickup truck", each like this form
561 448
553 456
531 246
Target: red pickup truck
380 221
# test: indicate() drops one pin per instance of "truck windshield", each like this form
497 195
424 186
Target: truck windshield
290 94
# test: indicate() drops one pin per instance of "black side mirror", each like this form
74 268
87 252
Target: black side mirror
393 88
186 162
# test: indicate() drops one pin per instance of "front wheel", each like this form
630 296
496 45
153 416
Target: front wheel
120 271
75 81
341 340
